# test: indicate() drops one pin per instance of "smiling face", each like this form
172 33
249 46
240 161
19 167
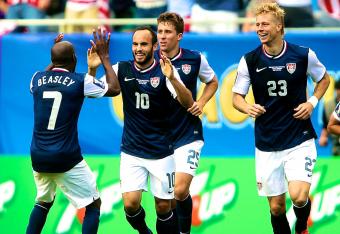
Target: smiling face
268 28
142 48
168 37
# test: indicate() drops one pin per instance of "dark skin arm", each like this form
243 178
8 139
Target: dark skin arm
101 46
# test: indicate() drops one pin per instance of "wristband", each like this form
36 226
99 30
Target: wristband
313 100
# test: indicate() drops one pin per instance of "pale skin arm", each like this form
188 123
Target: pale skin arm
304 110
253 110
333 126
184 95
323 140
209 91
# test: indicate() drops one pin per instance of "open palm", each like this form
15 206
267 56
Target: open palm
93 60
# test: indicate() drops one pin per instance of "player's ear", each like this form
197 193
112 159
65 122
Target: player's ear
179 36
155 46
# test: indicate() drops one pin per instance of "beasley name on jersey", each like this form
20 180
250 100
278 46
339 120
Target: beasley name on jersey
55 146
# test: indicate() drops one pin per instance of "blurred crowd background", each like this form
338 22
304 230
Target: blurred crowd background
226 16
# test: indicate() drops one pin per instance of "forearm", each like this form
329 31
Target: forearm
333 126
321 86
209 91
334 129
92 71
111 78
240 103
184 96
324 133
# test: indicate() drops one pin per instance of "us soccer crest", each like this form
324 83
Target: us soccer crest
291 67
154 81
186 68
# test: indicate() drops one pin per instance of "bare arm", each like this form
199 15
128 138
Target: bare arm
209 91
333 126
323 139
304 110
184 95
101 45
253 110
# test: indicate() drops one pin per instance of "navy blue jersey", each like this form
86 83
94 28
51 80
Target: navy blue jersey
146 98
190 65
58 97
279 84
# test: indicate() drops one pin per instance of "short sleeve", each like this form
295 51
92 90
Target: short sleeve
206 73
315 68
242 82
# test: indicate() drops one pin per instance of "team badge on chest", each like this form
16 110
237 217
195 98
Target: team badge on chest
154 81
186 68
291 67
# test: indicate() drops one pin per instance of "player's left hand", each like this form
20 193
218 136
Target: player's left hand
93 60
196 109
59 38
303 111
166 66
100 43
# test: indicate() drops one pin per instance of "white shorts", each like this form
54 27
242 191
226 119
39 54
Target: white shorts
78 184
187 157
134 173
274 169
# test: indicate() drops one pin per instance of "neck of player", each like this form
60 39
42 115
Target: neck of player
172 53
274 47
145 65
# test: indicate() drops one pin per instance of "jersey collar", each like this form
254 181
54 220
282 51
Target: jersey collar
58 69
146 69
276 56
178 55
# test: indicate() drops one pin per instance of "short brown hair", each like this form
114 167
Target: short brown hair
274 9
148 28
171 17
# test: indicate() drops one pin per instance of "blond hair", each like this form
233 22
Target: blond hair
274 9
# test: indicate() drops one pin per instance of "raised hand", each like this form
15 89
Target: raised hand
59 38
93 60
166 66
100 43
